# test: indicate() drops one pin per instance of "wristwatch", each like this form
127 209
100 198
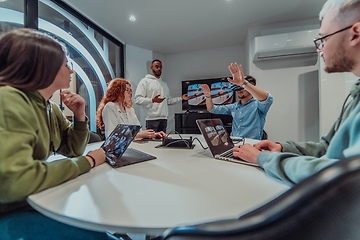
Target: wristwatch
244 84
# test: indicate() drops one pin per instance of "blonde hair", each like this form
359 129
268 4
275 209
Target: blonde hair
347 11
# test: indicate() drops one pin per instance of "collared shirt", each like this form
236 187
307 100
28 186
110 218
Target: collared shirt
248 119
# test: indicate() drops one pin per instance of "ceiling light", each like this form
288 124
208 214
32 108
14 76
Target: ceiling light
2 0
132 18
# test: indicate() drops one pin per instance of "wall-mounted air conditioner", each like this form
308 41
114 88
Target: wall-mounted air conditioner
283 45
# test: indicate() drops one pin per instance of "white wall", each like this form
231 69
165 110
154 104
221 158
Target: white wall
137 64
293 82
208 63
334 88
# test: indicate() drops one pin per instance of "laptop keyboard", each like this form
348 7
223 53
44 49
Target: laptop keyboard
227 154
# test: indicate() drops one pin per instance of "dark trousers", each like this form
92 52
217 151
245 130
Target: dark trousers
31 225
157 125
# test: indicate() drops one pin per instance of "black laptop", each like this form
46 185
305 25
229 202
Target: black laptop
116 147
218 140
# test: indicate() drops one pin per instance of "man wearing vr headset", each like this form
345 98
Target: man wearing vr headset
249 114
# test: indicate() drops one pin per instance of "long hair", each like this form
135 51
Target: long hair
29 59
114 92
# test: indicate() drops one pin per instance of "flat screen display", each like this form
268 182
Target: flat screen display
222 92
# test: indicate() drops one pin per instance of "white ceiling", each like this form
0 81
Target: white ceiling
170 26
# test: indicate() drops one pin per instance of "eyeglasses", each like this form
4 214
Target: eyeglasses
319 42
129 90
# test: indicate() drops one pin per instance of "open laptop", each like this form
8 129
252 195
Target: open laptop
116 147
218 140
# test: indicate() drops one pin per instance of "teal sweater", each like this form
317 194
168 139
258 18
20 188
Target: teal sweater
300 160
28 124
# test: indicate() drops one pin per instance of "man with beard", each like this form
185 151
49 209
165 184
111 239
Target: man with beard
249 114
151 94
339 46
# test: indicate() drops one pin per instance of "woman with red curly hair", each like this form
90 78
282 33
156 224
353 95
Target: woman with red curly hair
116 107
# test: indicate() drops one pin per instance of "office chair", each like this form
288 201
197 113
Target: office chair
323 206
94 137
265 135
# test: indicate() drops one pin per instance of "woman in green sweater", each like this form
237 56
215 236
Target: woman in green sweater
33 66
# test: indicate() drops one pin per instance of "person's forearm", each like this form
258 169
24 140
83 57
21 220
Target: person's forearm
209 104
81 116
257 93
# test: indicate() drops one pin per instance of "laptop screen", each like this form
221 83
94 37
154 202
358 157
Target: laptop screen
215 135
118 141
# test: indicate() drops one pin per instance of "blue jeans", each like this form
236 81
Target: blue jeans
29 225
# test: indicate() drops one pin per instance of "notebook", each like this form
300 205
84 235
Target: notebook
116 147
218 140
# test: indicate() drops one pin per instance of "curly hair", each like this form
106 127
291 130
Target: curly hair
114 92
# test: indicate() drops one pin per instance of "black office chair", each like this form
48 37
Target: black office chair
95 137
323 206
265 135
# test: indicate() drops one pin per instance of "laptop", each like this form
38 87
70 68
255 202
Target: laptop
116 147
218 140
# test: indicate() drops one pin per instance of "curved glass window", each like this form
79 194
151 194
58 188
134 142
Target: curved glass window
11 15
95 59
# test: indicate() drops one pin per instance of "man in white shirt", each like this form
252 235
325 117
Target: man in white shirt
153 94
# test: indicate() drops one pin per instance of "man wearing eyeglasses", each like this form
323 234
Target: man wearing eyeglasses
249 114
339 46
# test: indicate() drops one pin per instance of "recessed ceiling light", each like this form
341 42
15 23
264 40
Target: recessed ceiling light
132 18
2 0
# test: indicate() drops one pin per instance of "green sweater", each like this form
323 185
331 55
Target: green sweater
28 123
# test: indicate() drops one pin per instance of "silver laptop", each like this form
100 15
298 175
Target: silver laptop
218 140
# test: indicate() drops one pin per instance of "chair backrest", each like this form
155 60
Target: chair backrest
323 206
265 135
94 137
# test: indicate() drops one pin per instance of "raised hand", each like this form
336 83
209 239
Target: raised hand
237 73
206 90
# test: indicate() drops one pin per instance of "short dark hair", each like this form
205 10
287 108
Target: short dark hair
156 60
251 79
29 59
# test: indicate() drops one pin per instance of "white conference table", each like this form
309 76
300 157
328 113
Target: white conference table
180 187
